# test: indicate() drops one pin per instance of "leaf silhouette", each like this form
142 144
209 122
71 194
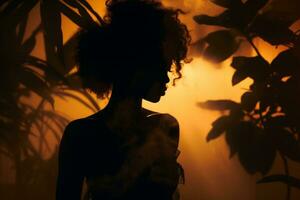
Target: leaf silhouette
286 64
278 122
90 8
16 11
29 44
53 115
51 21
23 74
90 98
33 81
69 52
238 77
63 94
221 45
60 125
253 6
23 10
255 150
36 62
287 144
22 28
82 11
8 7
9 110
233 138
248 101
238 16
271 120
225 19
274 31
50 74
288 99
53 130
77 19
220 126
254 67
219 105
290 180
74 81
285 10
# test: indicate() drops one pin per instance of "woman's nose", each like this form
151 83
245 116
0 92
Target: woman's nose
166 78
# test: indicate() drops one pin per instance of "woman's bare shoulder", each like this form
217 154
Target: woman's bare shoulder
164 118
77 131
76 126
166 121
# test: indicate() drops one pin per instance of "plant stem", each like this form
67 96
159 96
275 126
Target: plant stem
253 46
286 170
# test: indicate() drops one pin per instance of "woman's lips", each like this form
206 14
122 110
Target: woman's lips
163 91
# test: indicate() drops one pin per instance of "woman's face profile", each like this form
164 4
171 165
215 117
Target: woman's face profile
150 81
157 86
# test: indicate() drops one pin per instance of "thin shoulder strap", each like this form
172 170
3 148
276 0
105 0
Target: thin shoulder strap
153 114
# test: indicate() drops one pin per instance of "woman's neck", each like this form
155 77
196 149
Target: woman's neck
123 111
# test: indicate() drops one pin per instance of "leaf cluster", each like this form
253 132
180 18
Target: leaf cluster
242 22
22 75
266 120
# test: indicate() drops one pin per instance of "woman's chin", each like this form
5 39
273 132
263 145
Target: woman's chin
155 95
154 99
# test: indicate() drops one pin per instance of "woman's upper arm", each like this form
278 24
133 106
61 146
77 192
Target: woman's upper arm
70 170
172 128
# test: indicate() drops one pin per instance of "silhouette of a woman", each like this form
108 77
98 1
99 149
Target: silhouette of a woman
125 151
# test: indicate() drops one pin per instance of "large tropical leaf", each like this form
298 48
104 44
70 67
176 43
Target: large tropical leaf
286 64
219 126
287 143
254 67
82 11
220 45
70 49
249 101
51 21
73 16
255 150
90 8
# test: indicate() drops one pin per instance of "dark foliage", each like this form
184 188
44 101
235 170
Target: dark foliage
266 120
218 46
22 75
281 178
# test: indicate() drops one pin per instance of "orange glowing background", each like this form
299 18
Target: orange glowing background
210 174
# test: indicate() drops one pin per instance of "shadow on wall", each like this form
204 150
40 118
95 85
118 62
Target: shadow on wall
28 85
